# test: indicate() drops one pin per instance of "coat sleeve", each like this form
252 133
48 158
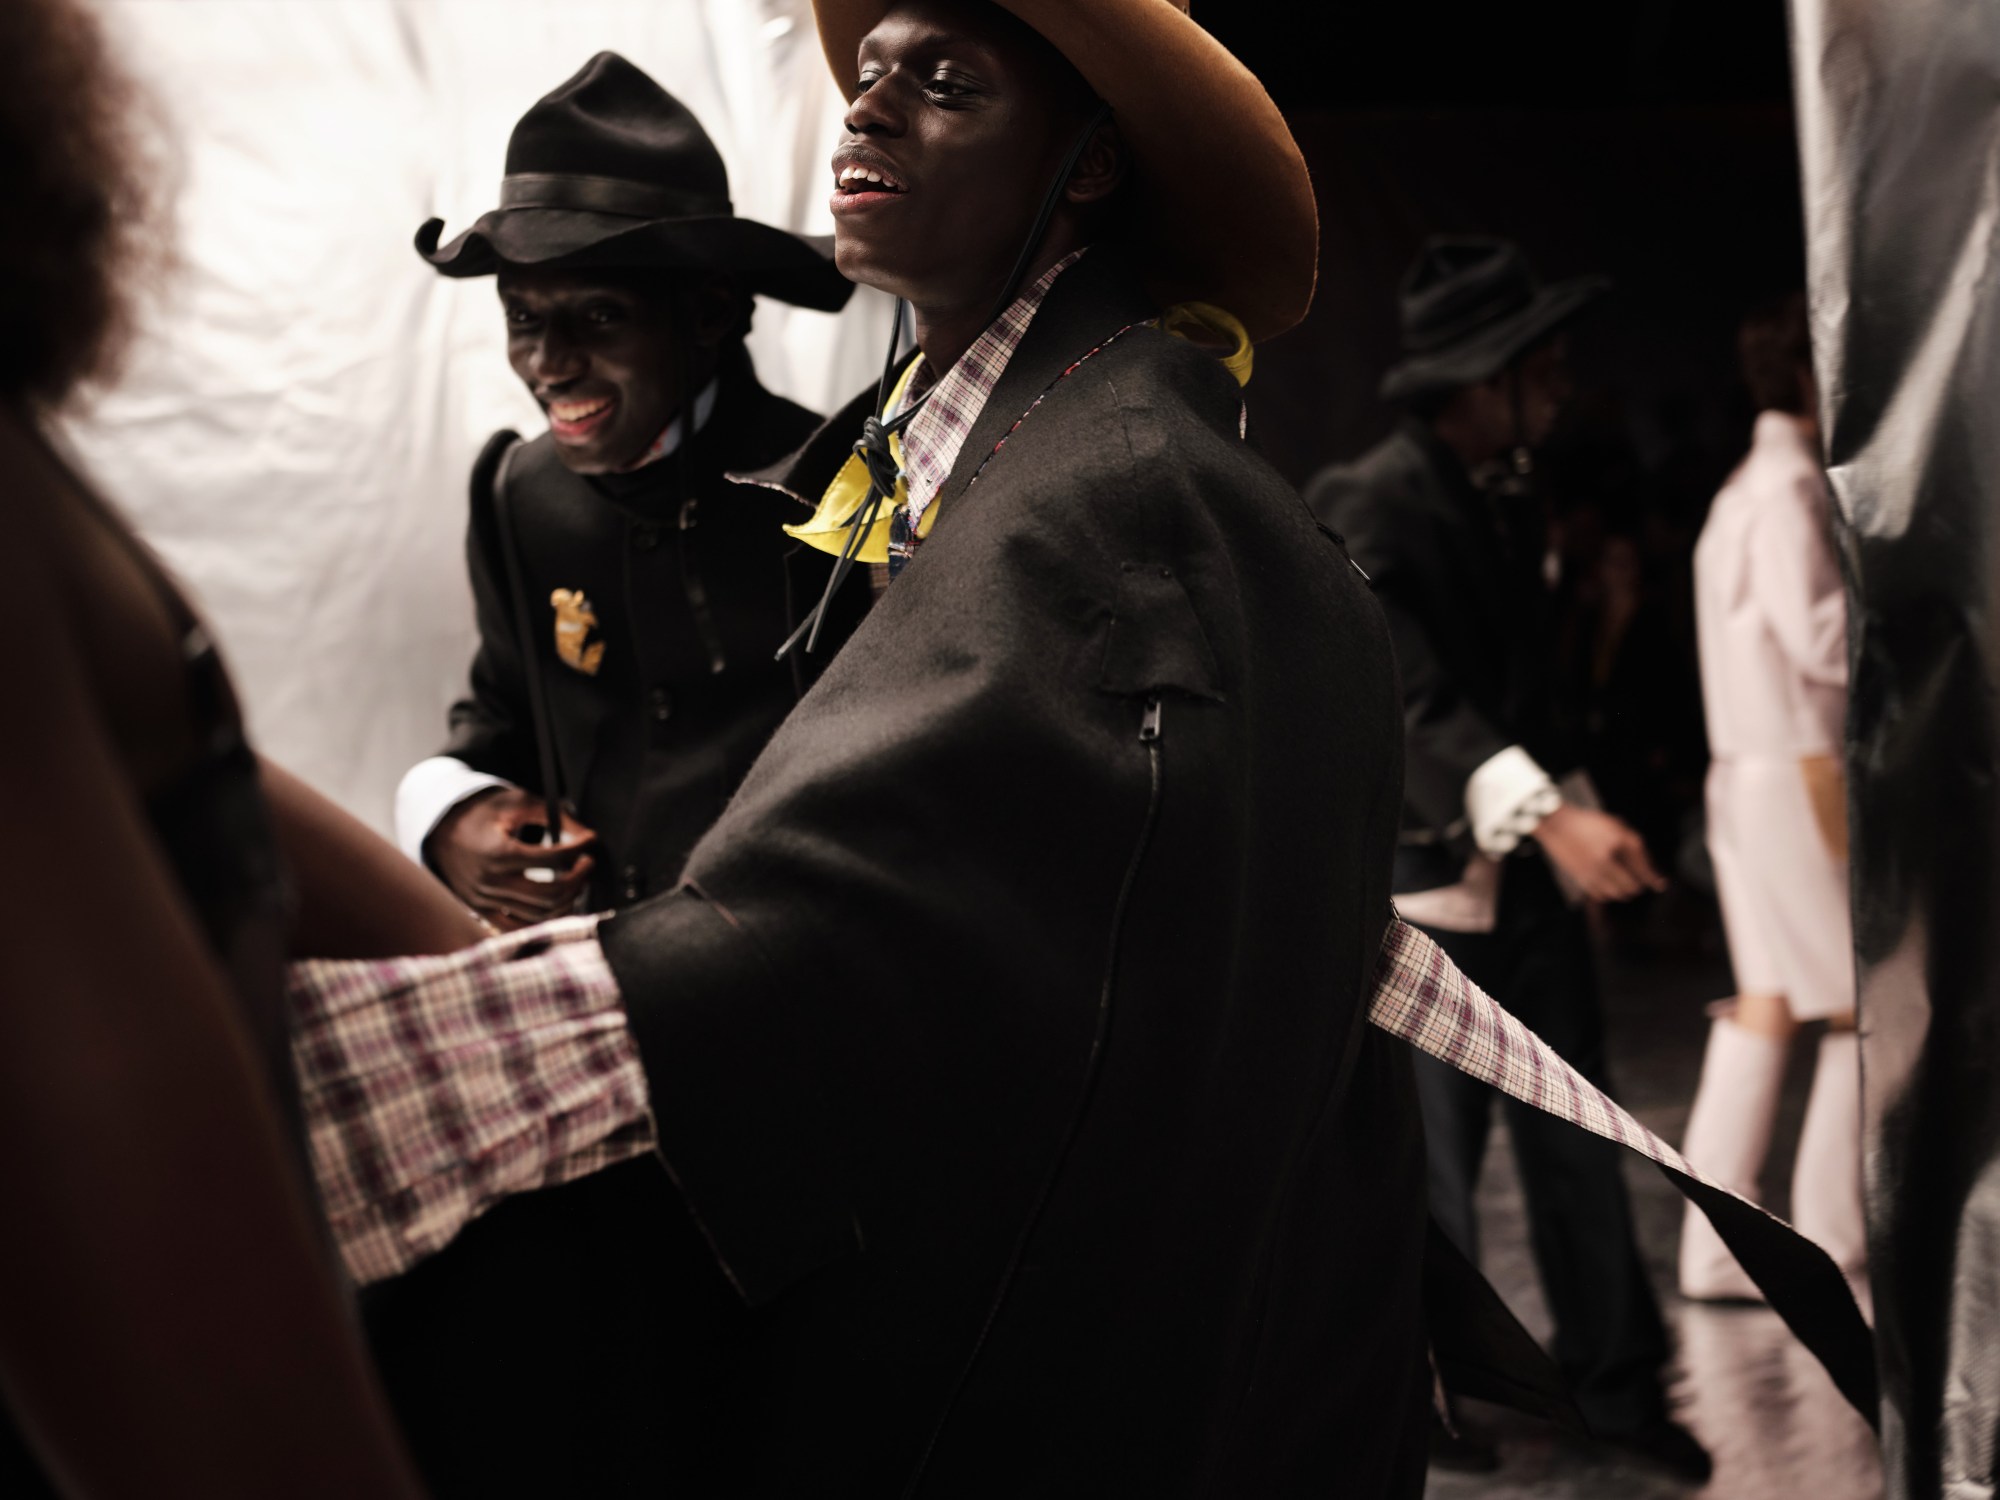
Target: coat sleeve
894 937
1446 738
492 729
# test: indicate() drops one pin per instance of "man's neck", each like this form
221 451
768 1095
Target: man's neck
945 332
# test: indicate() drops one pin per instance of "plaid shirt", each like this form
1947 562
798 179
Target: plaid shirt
433 1087
932 441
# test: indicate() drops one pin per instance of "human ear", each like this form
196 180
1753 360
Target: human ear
1101 167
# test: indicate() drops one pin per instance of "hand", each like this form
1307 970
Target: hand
1603 855
478 851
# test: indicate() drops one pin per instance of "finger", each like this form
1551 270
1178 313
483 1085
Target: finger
1635 858
529 905
543 900
566 893
1618 883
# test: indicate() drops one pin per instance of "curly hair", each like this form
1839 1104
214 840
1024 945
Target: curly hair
79 201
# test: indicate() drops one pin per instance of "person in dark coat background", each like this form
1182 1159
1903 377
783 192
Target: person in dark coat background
653 593
1440 516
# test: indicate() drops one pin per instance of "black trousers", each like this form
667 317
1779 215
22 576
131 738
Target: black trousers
1537 962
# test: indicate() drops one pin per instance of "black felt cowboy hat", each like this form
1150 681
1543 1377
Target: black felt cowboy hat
1226 212
612 170
1470 307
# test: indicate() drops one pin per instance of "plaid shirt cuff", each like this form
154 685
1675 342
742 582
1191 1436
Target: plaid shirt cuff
435 1086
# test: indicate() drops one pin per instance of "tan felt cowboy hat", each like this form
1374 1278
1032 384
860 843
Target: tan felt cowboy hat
1226 206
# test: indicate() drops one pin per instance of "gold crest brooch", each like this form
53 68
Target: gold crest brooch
575 620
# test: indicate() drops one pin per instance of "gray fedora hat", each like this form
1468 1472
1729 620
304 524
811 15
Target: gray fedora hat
1470 307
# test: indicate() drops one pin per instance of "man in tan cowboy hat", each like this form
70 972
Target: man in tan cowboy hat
1006 1039
1021 1042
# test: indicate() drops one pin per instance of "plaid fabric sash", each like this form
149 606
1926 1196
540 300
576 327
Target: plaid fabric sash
1423 998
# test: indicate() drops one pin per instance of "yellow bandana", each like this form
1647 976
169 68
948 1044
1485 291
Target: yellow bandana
827 530
1202 324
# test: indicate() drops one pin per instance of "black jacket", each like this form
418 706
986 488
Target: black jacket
544 1352
1008 1039
1458 574
692 595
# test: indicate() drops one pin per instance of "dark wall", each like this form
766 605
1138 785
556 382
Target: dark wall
1692 209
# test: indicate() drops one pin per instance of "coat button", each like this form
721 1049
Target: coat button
661 704
635 886
645 538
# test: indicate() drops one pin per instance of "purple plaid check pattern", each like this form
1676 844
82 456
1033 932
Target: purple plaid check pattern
435 1086
932 440
1421 996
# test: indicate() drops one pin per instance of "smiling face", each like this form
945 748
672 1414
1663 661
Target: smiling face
960 117
601 351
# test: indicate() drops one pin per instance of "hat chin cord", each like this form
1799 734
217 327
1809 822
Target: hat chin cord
873 447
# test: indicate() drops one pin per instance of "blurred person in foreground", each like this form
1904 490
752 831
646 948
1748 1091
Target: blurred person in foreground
1442 519
171 1322
1772 617
631 592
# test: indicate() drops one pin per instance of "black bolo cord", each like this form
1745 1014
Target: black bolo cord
873 448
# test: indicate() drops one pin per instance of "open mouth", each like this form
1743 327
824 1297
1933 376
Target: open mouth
856 187
575 421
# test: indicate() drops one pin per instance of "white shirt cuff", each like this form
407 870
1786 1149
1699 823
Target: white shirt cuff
1506 800
430 789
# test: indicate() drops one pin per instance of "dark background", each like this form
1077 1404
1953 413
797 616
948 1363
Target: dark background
1651 140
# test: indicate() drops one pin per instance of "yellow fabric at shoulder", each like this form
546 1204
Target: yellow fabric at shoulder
827 530
1214 330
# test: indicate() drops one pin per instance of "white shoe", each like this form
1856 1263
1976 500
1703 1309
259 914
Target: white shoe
1728 1137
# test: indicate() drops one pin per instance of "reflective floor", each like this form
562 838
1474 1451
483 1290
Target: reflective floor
1768 1414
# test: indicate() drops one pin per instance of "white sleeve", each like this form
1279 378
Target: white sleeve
1506 800
430 789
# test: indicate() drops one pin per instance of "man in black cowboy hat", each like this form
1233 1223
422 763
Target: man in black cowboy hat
1440 517
650 589
631 598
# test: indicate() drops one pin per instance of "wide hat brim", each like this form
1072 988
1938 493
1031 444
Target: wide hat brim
1226 204
1485 352
798 269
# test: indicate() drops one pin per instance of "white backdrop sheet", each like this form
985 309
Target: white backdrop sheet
294 432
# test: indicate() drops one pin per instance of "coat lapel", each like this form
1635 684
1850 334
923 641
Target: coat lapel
1089 302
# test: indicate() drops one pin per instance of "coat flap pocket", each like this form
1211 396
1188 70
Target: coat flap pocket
1156 643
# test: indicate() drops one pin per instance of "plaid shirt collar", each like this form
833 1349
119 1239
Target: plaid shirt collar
932 441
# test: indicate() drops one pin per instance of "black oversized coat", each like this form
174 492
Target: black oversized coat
1460 582
693 585
1008 1039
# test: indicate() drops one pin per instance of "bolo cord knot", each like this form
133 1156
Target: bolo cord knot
875 454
